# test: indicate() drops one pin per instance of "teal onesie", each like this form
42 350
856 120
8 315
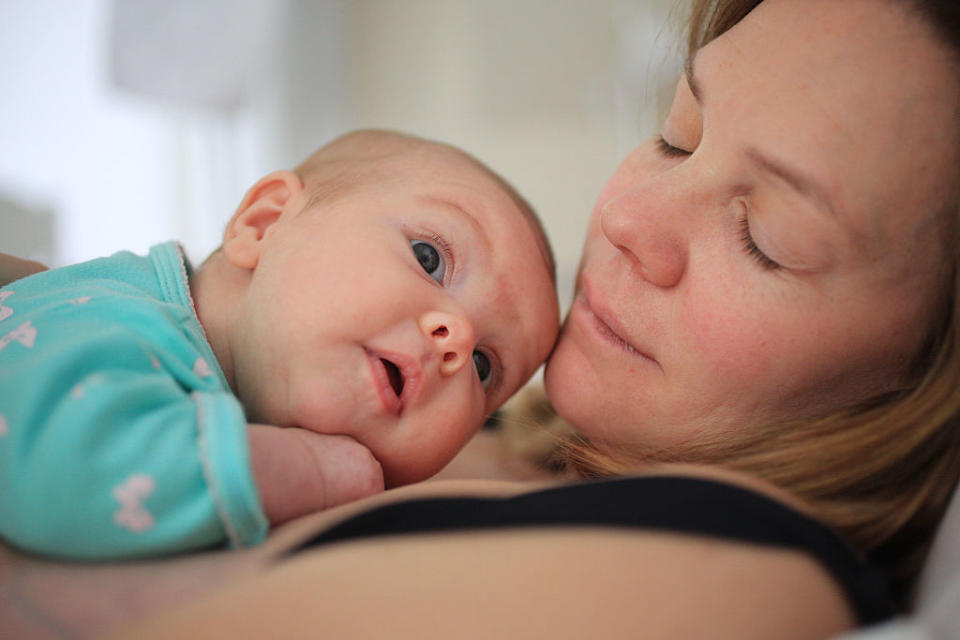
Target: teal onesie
119 436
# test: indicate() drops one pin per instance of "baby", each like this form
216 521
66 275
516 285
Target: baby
362 317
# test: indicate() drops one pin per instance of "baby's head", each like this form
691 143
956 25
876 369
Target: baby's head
394 290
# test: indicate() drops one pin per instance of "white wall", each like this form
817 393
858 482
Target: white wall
550 93
161 145
71 145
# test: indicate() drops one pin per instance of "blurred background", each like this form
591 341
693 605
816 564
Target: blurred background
124 123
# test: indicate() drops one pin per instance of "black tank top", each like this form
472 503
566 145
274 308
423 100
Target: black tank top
663 503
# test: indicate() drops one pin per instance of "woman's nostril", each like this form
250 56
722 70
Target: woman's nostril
440 332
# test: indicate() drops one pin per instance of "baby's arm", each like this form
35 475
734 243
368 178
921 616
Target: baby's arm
299 472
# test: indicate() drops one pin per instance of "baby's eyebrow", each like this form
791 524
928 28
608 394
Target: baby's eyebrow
448 203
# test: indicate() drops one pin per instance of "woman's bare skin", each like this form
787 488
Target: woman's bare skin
43 598
46 598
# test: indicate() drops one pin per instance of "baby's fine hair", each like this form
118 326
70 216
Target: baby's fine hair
356 158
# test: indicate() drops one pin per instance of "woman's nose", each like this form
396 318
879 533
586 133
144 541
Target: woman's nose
452 338
649 233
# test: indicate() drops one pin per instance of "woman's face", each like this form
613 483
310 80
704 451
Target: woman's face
779 255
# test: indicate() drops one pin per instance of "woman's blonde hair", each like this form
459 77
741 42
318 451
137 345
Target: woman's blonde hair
880 473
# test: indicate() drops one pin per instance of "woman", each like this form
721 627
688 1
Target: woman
764 290
769 288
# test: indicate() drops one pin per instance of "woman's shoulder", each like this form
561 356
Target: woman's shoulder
560 578
715 506
623 498
528 581
292 534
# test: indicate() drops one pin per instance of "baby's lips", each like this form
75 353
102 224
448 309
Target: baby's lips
397 377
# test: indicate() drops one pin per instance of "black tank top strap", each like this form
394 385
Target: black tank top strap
663 503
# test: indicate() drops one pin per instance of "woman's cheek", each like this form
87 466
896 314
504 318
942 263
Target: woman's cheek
734 345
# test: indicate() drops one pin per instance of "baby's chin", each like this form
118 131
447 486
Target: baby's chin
398 477
399 469
397 473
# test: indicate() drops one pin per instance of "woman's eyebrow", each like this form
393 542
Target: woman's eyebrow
798 180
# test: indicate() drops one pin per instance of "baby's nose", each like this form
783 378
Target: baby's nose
452 338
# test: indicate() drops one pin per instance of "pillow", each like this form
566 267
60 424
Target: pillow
937 606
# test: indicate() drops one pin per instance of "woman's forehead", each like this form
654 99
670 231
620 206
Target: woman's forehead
870 57
860 93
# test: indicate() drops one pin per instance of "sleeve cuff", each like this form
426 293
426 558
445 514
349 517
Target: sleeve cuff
225 456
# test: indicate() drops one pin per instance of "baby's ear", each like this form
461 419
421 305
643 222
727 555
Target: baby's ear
262 206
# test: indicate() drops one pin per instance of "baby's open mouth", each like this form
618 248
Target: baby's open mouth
394 375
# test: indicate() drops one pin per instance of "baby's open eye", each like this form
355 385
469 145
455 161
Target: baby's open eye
429 258
482 363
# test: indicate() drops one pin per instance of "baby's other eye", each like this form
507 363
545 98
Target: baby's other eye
430 259
484 370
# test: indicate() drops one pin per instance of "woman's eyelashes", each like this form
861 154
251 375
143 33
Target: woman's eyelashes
431 258
752 249
670 151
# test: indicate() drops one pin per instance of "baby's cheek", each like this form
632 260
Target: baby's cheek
429 441
503 296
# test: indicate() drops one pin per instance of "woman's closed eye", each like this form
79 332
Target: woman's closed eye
670 151
752 249
430 259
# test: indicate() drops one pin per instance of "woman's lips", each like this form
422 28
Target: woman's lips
599 321
396 379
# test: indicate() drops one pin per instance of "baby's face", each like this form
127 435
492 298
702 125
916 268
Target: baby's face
400 314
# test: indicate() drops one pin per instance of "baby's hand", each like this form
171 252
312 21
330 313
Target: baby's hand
299 471
348 468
